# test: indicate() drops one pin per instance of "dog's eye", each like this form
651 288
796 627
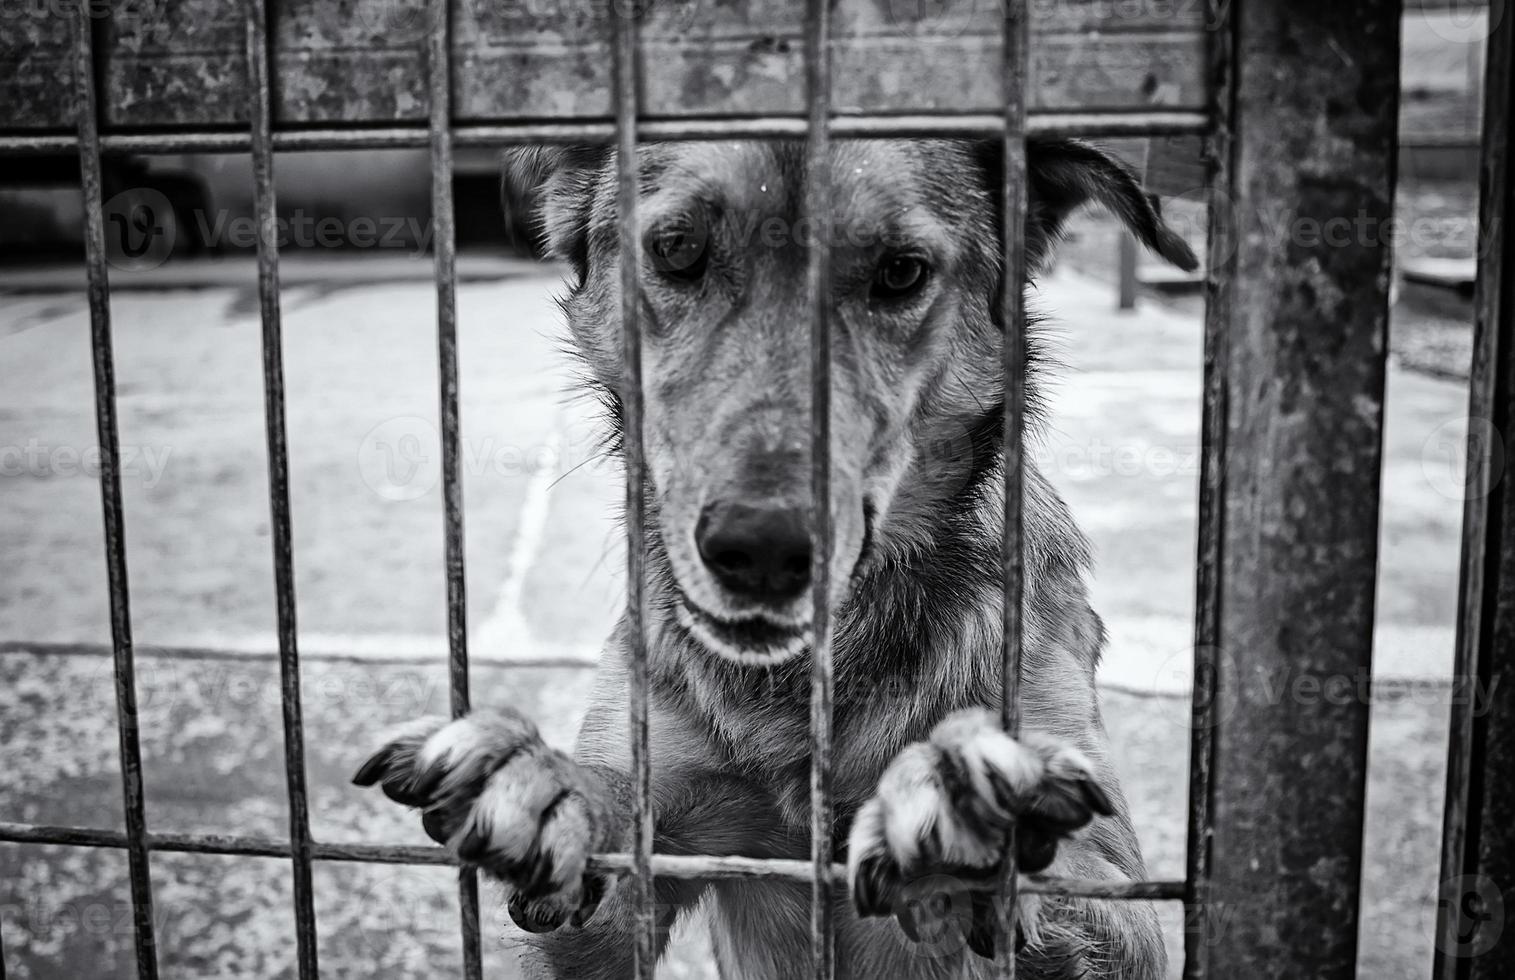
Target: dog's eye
678 251
899 276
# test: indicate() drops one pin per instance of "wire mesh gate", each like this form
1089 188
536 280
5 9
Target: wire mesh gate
1263 300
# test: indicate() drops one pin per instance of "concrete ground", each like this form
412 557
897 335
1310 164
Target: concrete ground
544 564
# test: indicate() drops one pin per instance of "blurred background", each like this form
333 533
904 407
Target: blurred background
545 560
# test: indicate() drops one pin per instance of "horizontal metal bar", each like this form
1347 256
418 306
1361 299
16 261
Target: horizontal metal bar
1378 690
962 125
307 656
663 865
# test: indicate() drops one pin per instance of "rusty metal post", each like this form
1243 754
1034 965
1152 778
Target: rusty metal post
626 96
1478 842
1316 96
1220 272
108 430
1014 66
260 125
818 301
1125 247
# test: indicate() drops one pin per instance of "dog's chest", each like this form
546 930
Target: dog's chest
764 732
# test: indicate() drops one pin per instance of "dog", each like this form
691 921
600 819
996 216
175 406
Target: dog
925 781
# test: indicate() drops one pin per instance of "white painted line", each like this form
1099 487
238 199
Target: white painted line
505 629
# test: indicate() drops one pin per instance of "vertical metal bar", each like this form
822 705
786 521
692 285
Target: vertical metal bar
1478 845
1305 347
625 93
1013 319
134 798
1220 270
1125 258
444 251
260 115
818 299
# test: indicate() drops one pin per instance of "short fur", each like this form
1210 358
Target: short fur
925 783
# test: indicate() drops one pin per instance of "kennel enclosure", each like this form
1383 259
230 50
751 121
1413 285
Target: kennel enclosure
1296 103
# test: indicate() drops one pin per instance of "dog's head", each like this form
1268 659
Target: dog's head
916 341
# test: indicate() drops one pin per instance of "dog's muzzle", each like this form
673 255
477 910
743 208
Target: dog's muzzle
759 552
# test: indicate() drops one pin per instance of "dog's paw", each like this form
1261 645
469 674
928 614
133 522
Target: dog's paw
491 791
939 819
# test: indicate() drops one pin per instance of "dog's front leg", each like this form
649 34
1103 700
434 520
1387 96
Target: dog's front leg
499 798
942 810
502 800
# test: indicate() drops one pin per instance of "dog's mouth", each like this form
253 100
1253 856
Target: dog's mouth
752 641
759 638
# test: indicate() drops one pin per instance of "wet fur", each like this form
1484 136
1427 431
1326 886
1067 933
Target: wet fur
917 620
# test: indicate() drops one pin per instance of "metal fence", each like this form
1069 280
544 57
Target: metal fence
1298 104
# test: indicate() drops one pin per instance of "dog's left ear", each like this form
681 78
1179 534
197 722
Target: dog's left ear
1064 176
547 192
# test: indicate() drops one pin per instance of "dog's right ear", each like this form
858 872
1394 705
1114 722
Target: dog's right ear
548 192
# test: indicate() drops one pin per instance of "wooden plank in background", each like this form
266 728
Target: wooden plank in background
360 61
34 68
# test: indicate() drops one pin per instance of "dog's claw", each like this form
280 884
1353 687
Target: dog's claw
876 886
494 794
943 808
536 915
594 891
371 771
983 925
1034 850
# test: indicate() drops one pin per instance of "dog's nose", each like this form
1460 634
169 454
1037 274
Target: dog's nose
757 551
